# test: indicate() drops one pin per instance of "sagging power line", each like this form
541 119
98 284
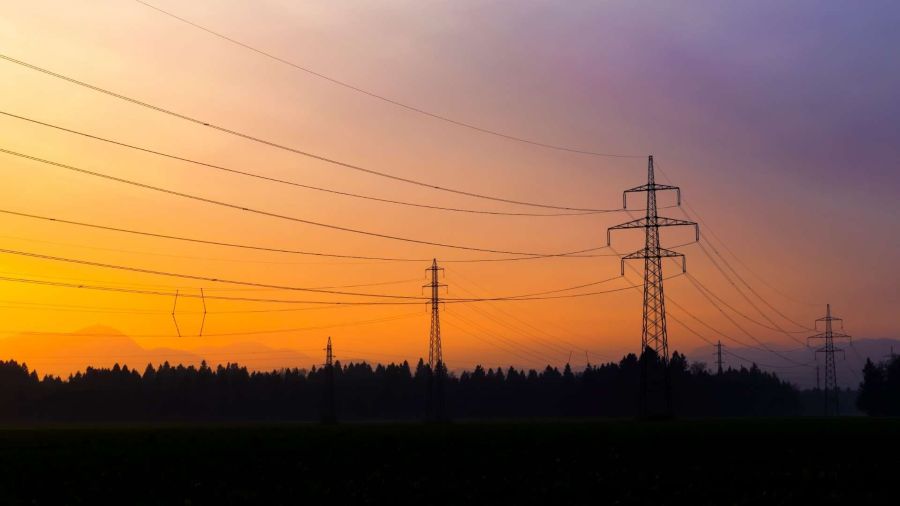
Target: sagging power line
283 147
296 184
271 249
384 98
269 214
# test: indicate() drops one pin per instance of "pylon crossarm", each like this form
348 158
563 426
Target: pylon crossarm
645 253
650 187
662 253
638 223
661 221
832 335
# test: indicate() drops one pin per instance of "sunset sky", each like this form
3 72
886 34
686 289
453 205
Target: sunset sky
779 121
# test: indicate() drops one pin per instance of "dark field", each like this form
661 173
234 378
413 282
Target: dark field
850 461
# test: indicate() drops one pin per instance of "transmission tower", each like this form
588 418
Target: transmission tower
719 358
831 387
654 338
435 356
435 394
328 404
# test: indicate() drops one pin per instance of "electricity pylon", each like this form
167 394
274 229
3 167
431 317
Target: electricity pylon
328 405
654 338
719 361
831 387
435 355
435 394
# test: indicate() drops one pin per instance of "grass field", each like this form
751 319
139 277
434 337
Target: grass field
850 460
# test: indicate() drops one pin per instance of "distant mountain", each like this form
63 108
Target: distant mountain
61 354
849 363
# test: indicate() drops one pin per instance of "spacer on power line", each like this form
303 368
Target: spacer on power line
175 316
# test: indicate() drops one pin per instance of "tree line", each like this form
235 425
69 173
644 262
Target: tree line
879 394
382 392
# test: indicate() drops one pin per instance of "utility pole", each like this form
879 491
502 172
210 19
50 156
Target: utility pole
655 391
328 405
831 387
719 358
435 394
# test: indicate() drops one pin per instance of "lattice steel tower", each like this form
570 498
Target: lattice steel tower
719 361
653 331
831 387
329 414
435 411
435 355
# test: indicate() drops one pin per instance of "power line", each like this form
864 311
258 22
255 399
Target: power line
770 366
743 264
265 213
741 328
487 316
406 299
580 254
536 335
640 223
301 185
208 289
754 292
718 332
383 98
170 294
199 278
67 308
480 332
282 146
700 286
728 352
471 333
539 331
227 334
358 285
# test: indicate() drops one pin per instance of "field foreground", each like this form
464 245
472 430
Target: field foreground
795 461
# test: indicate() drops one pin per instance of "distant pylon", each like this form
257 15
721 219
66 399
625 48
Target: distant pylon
653 330
435 355
831 387
719 357
328 405
435 394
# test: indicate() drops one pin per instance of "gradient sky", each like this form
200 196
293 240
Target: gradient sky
778 120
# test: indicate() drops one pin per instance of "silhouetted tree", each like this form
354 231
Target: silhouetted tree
394 391
879 394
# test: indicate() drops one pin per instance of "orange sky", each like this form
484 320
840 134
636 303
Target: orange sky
790 212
